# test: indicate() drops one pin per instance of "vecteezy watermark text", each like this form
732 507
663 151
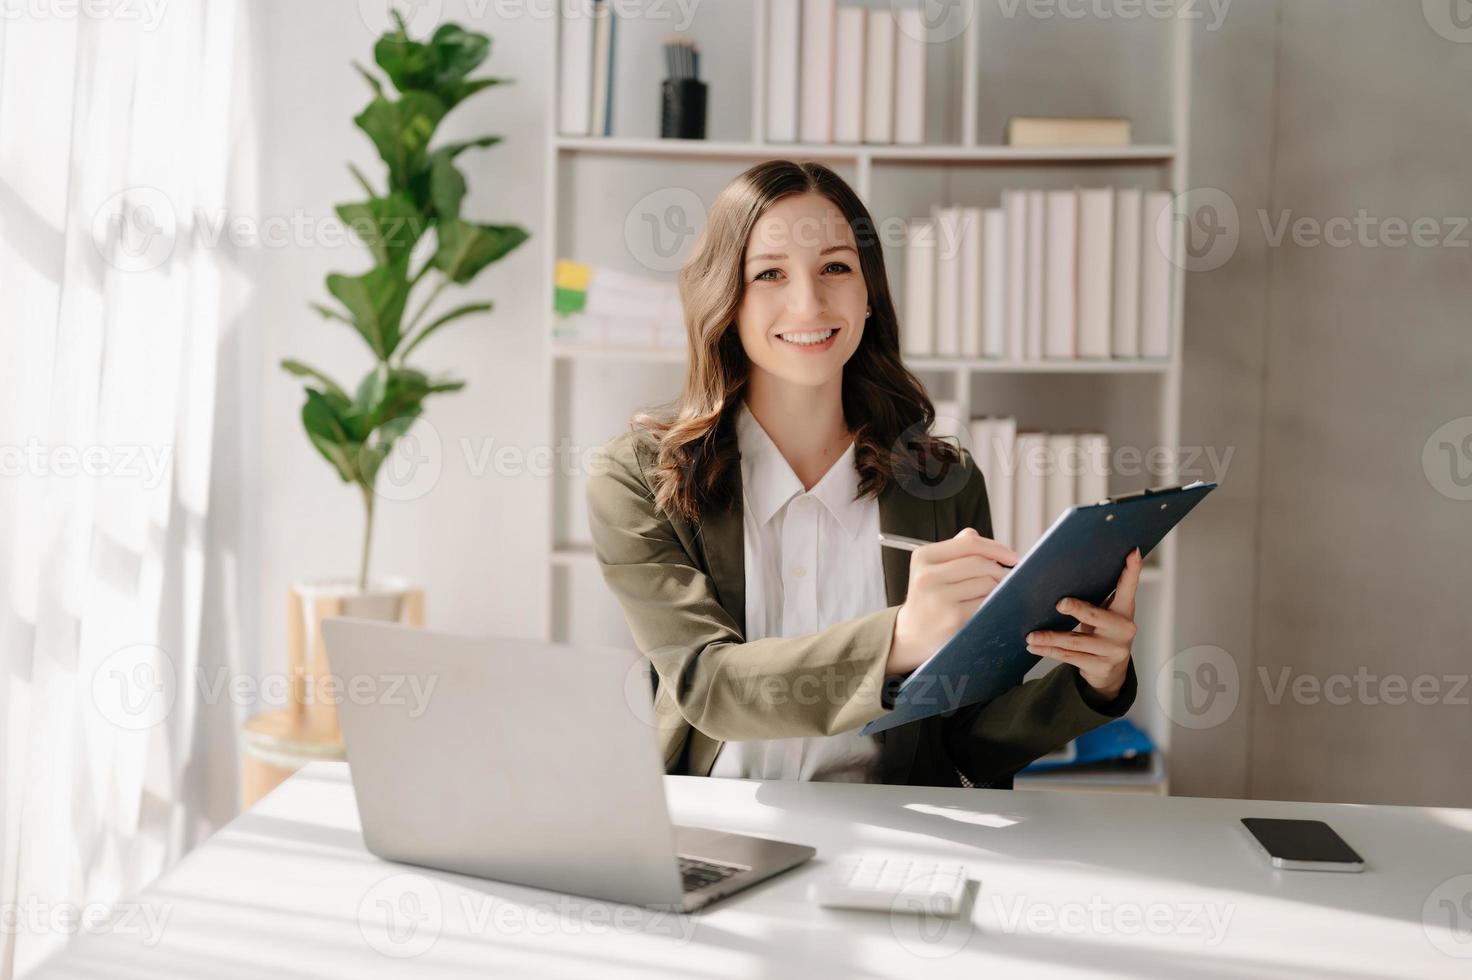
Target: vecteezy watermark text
1214 12
403 915
31 916
149 465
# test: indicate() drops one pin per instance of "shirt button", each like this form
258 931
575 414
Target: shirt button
799 571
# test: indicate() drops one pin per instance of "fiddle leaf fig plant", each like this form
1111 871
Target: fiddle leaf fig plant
420 245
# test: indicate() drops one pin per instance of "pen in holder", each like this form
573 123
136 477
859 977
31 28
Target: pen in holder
682 108
682 94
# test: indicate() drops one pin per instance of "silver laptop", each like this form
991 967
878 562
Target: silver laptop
524 762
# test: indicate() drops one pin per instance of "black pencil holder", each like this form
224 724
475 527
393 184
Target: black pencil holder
682 108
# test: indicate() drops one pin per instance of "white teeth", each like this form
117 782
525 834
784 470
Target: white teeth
807 338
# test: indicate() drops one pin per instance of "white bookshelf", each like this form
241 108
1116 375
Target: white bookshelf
1138 68
870 153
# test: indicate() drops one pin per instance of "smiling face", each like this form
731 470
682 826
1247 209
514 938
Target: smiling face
803 303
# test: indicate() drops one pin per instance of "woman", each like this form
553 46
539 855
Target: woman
739 531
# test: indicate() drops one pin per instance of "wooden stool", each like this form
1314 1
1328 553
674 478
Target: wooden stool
278 743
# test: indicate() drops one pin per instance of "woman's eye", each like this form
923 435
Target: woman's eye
842 266
762 275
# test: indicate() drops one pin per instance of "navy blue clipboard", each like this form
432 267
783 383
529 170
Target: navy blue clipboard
1081 555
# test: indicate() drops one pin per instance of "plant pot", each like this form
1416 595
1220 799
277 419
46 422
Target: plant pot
313 689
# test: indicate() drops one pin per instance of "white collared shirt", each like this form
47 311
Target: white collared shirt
812 560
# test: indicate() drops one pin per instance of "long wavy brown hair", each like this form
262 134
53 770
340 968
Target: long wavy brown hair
884 405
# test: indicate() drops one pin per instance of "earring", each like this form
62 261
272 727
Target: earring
867 312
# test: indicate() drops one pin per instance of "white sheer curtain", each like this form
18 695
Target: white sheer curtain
120 141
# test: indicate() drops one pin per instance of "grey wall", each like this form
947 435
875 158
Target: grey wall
1332 557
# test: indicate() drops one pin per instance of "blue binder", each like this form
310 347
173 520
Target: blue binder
1081 555
1110 742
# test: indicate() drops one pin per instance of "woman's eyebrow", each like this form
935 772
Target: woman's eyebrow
782 255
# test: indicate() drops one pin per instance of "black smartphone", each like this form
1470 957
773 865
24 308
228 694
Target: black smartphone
1303 845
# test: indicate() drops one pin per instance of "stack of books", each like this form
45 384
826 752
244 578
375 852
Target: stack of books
1059 274
1031 477
844 74
602 308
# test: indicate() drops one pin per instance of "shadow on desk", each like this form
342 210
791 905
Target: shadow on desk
1195 841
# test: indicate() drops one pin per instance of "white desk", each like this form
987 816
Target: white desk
1071 885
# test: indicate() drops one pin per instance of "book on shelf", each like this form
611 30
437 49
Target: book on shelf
1060 278
848 75
1014 208
1157 234
1095 271
585 59
1125 319
992 283
1051 131
599 307
844 74
1060 474
878 69
1029 472
909 76
917 333
815 114
947 281
784 30
993 444
1033 477
603 43
1032 346
948 421
1081 274
970 318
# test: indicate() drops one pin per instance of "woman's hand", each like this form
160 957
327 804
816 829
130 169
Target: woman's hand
1100 647
948 580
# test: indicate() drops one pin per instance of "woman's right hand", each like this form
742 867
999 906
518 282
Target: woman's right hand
948 580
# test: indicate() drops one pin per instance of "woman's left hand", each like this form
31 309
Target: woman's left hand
1100 647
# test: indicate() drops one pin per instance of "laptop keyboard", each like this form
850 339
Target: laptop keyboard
696 874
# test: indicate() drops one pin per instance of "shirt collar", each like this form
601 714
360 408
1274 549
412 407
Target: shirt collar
768 480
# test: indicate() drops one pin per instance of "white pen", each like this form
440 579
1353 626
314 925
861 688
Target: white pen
901 542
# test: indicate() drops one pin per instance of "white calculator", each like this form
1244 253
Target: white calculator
890 884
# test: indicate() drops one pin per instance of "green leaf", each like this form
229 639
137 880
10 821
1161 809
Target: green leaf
370 459
371 79
440 169
391 430
407 63
461 91
446 186
306 371
388 226
328 313
457 52
327 431
454 314
403 394
401 132
362 181
371 392
376 301
453 150
439 66
372 454
464 248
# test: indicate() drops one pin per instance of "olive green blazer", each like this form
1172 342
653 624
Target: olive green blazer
682 590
